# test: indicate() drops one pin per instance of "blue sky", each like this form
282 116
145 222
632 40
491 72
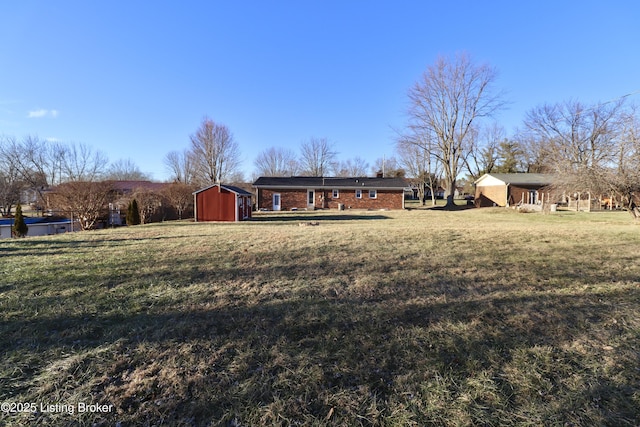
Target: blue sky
135 79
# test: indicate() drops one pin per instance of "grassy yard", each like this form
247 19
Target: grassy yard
424 317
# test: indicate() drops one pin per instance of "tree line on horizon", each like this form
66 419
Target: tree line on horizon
450 136
76 181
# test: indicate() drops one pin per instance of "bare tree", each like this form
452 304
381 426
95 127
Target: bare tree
125 170
483 151
276 161
11 183
181 166
317 156
624 177
534 152
388 167
82 200
351 167
38 162
216 154
81 163
149 202
423 171
579 143
445 104
180 196
10 188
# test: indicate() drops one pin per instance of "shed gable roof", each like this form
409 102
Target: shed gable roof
540 179
330 182
239 191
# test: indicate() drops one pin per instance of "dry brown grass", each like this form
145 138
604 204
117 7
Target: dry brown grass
376 318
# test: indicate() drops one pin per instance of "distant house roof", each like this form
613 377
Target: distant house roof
330 182
130 186
232 188
538 179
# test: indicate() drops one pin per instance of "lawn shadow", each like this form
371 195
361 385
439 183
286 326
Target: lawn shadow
322 349
454 208
289 349
313 216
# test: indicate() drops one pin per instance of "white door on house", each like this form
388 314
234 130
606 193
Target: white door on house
311 199
276 201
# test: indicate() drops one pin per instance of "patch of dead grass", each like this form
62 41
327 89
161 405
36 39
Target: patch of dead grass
409 318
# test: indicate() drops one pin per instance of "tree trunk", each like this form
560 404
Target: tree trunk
633 209
450 203
451 191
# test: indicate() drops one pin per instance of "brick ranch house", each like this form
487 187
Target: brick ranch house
510 189
306 192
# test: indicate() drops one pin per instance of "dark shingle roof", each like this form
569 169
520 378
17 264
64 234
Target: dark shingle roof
130 186
329 182
522 178
237 190
232 188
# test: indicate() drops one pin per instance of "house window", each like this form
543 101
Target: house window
336 194
373 194
358 194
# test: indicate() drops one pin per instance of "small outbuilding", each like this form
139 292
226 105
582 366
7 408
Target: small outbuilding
222 203
509 189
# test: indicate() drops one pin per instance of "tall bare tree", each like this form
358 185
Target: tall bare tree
579 143
216 154
317 155
181 166
445 103
276 161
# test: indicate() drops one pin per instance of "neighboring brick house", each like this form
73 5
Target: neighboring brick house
509 189
304 192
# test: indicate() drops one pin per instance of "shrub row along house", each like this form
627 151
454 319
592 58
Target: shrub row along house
104 203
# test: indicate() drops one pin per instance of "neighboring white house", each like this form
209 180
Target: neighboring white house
37 226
